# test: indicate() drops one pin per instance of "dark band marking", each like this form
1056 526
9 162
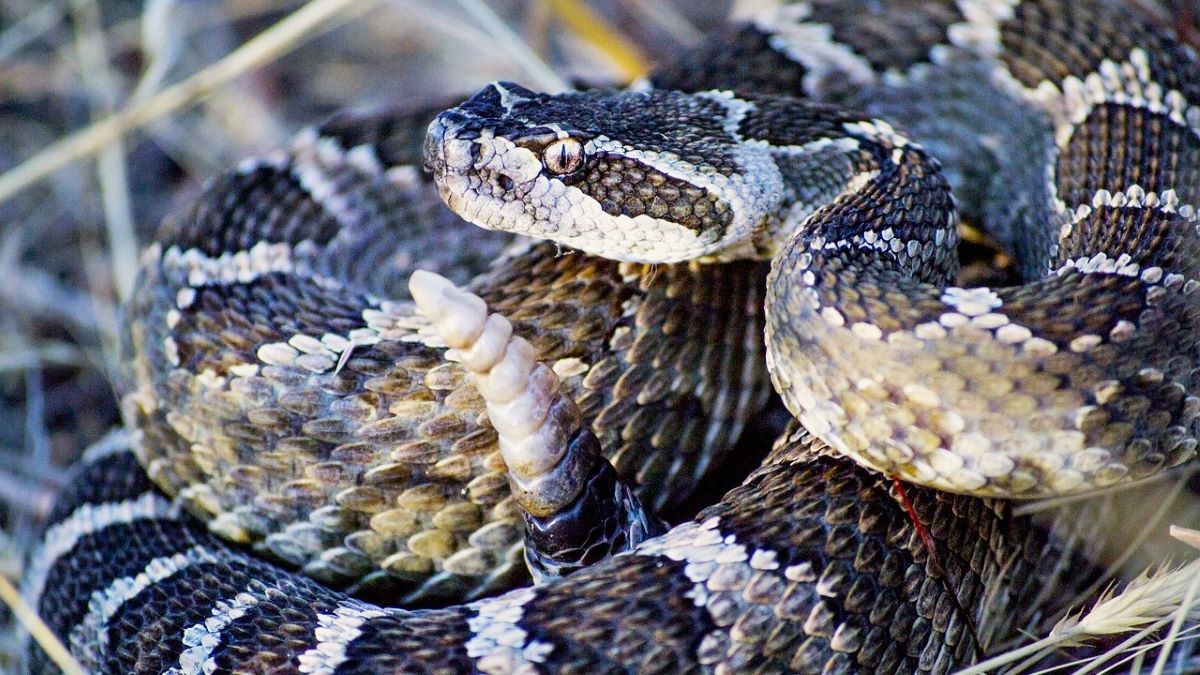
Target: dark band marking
787 122
145 634
906 202
841 533
1043 43
626 187
74 577
895 35
267 203
597 620
1118 146
741 59
286 616
115 478
1124 231
429 641
226 324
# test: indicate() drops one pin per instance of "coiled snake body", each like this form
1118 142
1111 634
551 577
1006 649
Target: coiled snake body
276 392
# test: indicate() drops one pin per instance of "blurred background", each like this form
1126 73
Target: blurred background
69 242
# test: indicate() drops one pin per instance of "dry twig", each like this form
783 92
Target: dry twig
38 629
263 48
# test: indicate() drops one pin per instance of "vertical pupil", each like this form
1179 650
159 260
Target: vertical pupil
562 157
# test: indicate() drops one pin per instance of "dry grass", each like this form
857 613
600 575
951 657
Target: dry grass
1144 605
113 111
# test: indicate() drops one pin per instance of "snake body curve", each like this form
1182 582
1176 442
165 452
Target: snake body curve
273 377
1078 379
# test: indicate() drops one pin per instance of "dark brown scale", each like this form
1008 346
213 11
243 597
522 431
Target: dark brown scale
1119 146
212 332
246 214
778 123
1042 43
626 187
888 35
738 59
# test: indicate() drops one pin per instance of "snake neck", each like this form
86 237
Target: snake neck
893 205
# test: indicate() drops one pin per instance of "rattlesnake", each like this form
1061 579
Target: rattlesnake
276 392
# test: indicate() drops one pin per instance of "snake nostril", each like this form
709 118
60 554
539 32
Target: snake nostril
504 182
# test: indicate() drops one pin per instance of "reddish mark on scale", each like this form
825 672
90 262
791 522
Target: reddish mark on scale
935 564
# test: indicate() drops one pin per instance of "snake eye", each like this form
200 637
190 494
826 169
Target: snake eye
563 156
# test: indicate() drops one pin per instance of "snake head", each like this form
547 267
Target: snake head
641 176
